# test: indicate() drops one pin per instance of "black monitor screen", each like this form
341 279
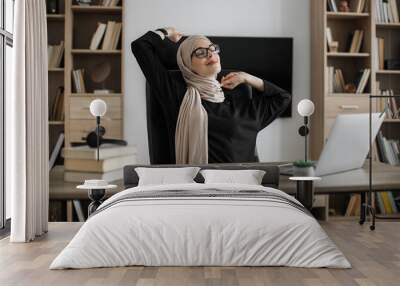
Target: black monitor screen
268 58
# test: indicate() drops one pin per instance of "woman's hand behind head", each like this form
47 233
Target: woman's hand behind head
173 34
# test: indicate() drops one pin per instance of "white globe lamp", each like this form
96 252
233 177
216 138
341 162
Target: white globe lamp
98 108
305 108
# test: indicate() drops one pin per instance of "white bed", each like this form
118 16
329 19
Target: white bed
183 230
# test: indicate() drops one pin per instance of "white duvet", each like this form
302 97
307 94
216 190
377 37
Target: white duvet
200 231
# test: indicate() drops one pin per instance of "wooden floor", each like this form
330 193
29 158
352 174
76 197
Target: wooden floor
375 257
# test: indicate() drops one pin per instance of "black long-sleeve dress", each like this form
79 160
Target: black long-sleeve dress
232 125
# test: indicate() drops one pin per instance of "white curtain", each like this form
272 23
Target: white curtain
27 123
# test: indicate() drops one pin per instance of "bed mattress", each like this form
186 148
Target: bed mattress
201 225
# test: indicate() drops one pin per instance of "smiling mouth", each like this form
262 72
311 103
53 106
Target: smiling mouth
212 62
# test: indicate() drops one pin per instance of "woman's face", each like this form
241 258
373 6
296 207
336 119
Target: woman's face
206 64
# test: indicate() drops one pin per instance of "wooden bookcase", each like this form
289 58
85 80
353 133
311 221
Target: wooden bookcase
329 105
75 26
80 25
55 34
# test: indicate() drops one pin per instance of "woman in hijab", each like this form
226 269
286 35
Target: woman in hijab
209 119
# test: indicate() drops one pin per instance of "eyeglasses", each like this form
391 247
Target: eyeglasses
202 53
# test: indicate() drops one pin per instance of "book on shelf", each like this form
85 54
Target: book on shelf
353 207
388 149
56 150
386 11
389 105
55 54
386 203
57 109
379 56
358 6
79 82
336 82
106 151
79 177
393 203
341 79
355 40
362 80
329 38
78 210
97 36
100 166
332 7
110 3
112 35
116 35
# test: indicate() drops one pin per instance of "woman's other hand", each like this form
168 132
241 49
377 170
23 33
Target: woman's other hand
173 34
233 79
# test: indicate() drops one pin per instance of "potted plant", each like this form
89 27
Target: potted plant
303 168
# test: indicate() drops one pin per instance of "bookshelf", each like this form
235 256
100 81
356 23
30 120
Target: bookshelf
55 35
75 25
329 104
80 24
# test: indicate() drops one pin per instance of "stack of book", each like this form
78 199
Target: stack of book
109 34
55 54
57 109
79 83
388 149
109 3
386 202
336 82
387 11
355 40
81 162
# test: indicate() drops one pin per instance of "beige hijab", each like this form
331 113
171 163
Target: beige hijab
191 134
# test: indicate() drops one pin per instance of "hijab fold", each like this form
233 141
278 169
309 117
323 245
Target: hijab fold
191 134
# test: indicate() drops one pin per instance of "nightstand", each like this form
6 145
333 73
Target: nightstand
96 193
305 190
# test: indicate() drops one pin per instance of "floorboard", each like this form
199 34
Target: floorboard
375 257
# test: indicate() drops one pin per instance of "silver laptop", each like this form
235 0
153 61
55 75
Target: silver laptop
348 143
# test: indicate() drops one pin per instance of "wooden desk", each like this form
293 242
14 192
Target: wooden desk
384 178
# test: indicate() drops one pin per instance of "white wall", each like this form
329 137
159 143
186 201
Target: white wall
258 18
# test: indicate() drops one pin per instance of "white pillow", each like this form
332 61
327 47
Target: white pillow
248 177
165 176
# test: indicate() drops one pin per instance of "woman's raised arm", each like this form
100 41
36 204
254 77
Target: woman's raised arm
155 56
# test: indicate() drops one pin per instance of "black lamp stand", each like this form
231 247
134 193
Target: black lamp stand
303 131
98 136
367 208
